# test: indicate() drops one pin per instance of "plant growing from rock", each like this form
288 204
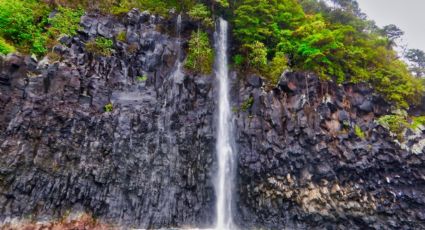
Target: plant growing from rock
142 78
247 104
108 107
5 47
200 56
359 132
122 36
100 46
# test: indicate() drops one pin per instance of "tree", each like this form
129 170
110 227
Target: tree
392 32
202 15
417 58
200 56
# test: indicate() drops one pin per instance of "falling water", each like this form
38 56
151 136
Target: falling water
178 73
225 141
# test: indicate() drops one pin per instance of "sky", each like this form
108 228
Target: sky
408 15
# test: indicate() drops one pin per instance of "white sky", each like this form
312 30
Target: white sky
408 15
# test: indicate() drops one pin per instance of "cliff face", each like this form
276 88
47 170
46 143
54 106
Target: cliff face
146 163
151 161
301 164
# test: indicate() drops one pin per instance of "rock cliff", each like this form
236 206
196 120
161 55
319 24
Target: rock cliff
150 162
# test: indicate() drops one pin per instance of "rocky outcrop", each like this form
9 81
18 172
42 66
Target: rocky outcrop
150 162
147 163
302 166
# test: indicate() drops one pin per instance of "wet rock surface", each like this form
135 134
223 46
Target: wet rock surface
150 162
301 165
147 163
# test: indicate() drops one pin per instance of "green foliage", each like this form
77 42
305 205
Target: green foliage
142 78
201 14
359 132
108 107
334 43
417 122
22 22
417 58
25 23
223 3
238 60
276 67
200 56
257 55
5 47
247 104
65 22
100 46
397 124
122 36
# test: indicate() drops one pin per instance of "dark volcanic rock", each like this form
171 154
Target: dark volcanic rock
318 174
150 162
145 164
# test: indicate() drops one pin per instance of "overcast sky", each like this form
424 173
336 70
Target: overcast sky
408 15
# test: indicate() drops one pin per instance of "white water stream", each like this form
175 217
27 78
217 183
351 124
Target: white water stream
225 142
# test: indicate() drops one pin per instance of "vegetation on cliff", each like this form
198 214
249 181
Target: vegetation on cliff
336 43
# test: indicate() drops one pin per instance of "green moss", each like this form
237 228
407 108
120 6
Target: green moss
100 46
122 36
417 122
108 107
247 104
6 48
142 78
359 132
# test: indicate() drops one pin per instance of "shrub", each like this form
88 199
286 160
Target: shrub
22 22
122 36
5 47
201 14
142 78
66 21
275 68
359 132
417 122
200 56
397 124
257 55
238 60
100 46
108 107
247 104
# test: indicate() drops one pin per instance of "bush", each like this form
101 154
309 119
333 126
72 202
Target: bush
238 60
122 36
108 107
142 78
65 22
100 46
23 22
257 55
201 14
396 124
334 44
5 47
275 68
200 56
359 132
247 104
417 122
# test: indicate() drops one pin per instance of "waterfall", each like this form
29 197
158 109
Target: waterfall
178 73
225 142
